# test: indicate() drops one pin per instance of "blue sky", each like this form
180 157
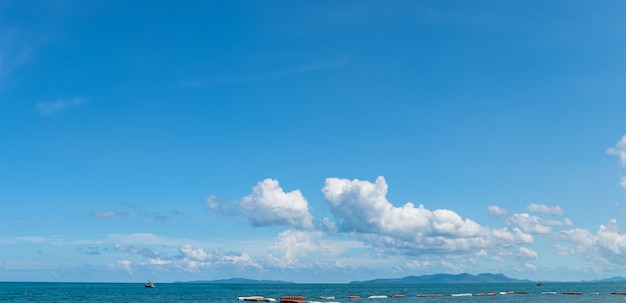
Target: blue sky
311 141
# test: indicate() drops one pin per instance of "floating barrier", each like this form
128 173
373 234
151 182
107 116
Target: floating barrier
353 297
573 293
251 298
377 297
398 296
292 299
430 295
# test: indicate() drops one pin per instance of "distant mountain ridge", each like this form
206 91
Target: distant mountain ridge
446 278
613 279
239 281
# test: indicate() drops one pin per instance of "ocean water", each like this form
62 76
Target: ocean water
191 292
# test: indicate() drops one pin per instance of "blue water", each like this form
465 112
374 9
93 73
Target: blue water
183 292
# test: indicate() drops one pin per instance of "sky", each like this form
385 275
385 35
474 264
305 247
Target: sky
311 141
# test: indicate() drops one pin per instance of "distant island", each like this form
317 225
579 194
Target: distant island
613 279
446 278
425 279
238 281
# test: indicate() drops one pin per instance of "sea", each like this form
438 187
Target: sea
403 293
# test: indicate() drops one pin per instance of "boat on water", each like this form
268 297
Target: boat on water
149 284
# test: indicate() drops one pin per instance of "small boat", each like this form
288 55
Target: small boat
540 284
377 297
149 284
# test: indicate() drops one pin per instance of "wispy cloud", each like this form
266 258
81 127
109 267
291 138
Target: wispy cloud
51 108
299 69
103 214
12 53
544 209
620 151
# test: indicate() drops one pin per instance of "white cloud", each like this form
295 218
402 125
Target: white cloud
497 210
622 182
619 150
544 209
108 214
527 253
537 225
529 224
607 244
144 251
12 53
190 259
123 265
159 261
530 266
50 108
195 254
293 246
270 205
361 208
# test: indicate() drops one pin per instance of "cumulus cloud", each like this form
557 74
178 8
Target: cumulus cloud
544 209
608 243
190 259
528 253
291 245
534 224
619 150
195 254
270 205
361 207
123 265
497 210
